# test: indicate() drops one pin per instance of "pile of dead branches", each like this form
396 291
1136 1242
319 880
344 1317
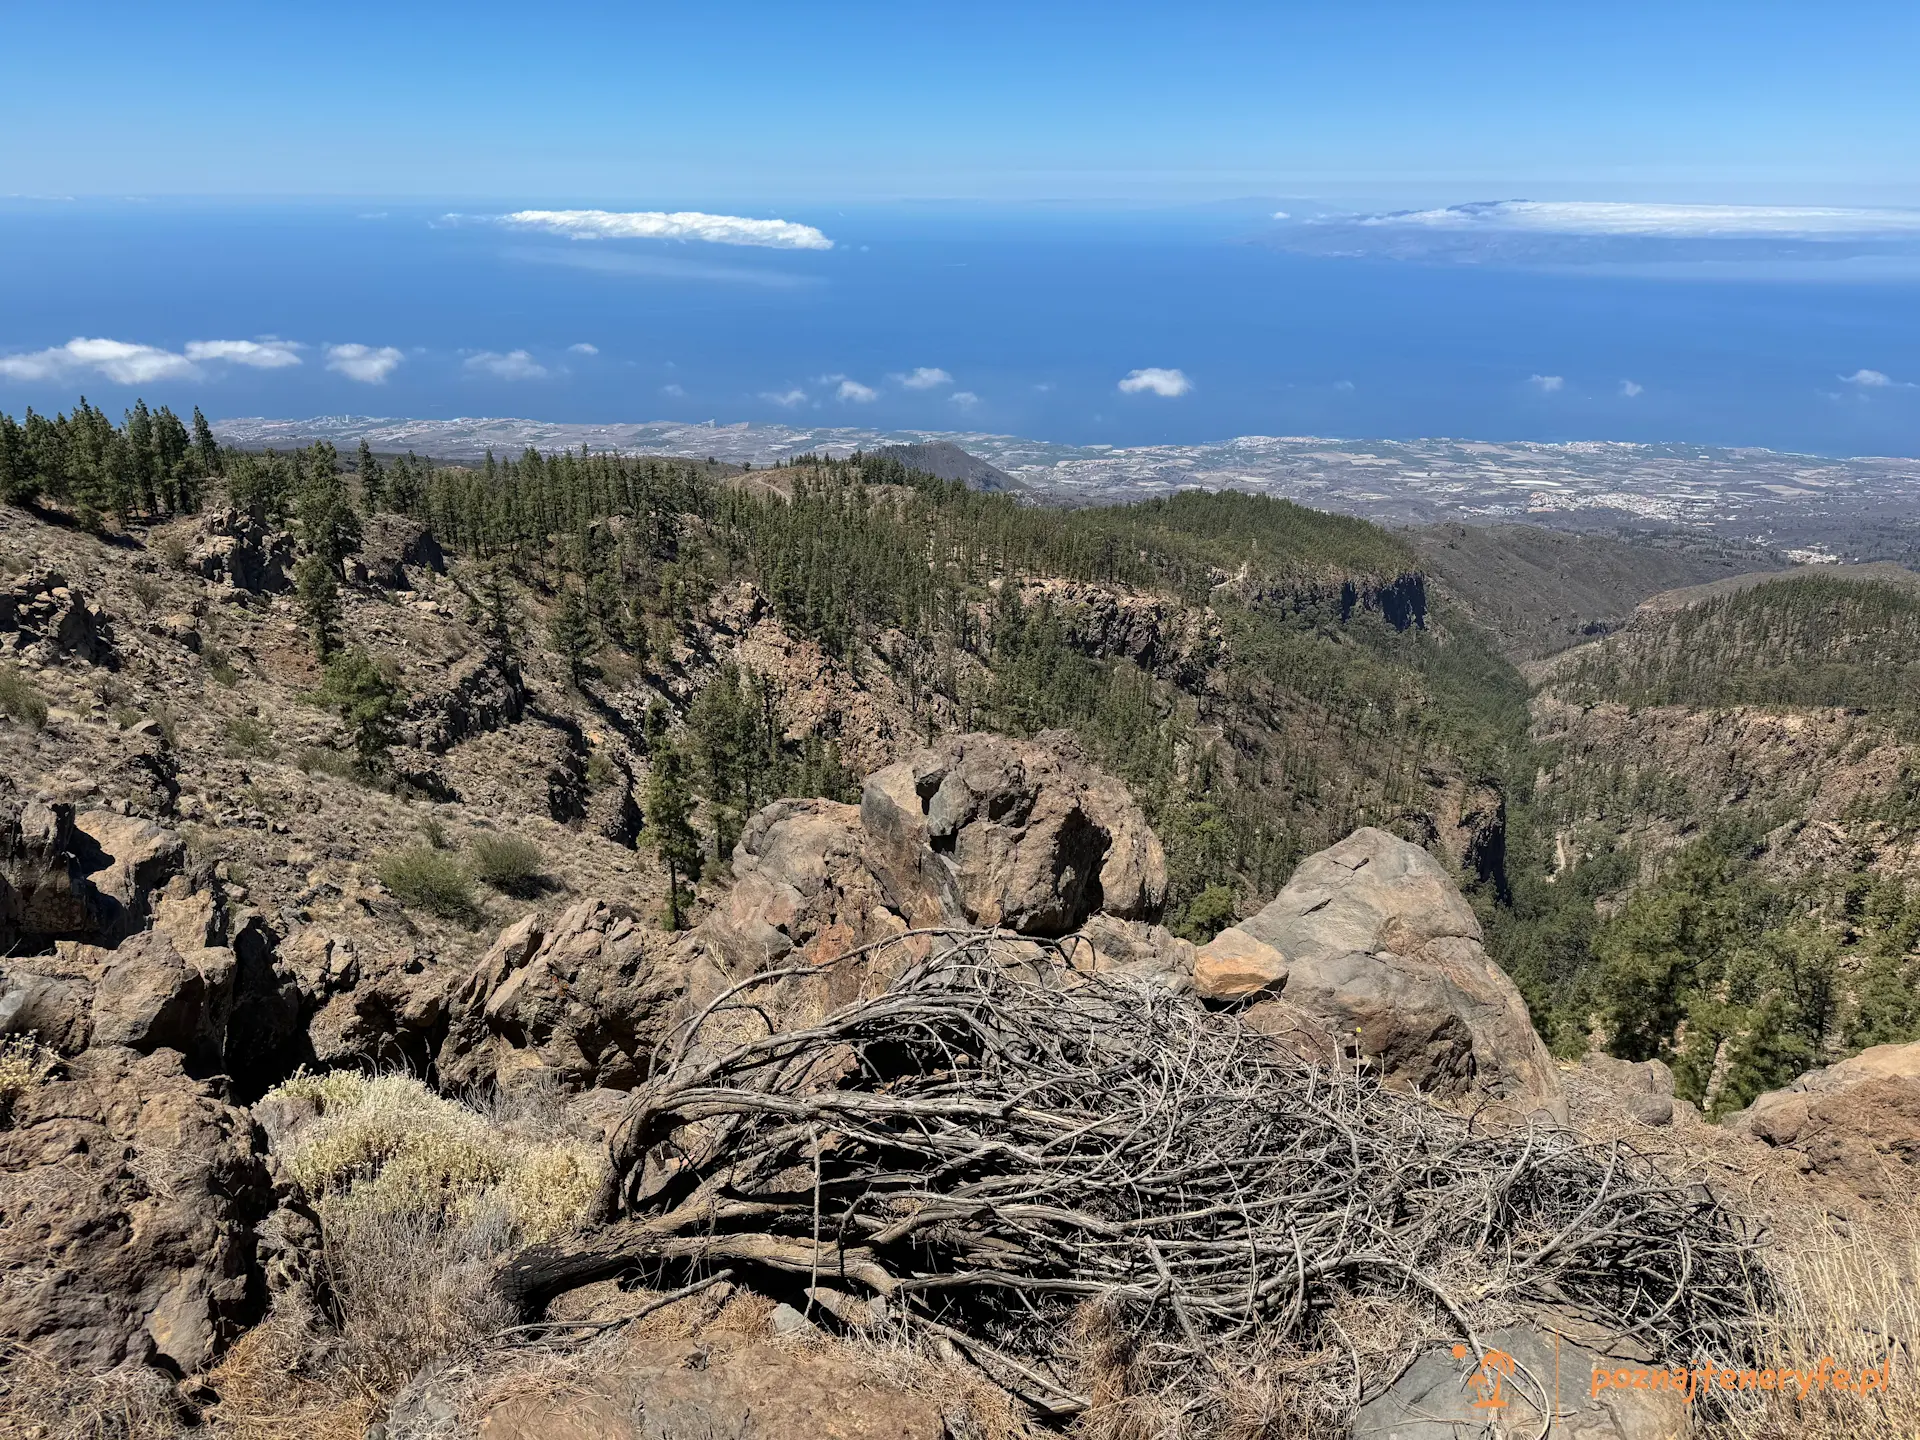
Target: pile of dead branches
989 1145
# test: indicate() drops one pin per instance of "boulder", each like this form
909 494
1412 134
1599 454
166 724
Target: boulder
806 881
44 891
362 1005
1644 1088
583 1002
41 609
720 1385
1372 939
128 1197
149 997
1036 840
224 1009
1529 1378
1136 949
1857 1122
229 547
127 860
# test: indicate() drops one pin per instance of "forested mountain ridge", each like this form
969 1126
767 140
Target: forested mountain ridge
638 652
1731 781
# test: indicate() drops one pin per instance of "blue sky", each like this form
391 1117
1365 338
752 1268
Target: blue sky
777 102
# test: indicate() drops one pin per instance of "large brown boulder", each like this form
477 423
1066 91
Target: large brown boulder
1034 838
1857 1121
1372 940
583 1002
364 1003
128 1196
390 546
43 888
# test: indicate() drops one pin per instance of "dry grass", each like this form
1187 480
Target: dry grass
43 1400
1847 1294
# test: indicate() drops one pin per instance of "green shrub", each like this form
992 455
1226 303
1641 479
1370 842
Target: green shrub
249 737
422 878
173 552
507 863
145 592
600 770
21 700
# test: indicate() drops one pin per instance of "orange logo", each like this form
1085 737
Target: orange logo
1494 1368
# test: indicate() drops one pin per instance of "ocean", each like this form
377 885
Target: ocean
1008 320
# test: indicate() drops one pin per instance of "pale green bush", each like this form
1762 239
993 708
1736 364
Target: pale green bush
389 1144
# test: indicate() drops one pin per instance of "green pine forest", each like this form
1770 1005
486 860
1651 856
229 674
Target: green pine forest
1334 688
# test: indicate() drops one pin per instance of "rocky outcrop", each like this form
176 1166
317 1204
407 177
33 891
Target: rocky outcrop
481 691
1643 1088
229 547
583 1002
1857 1122
128 1193
1372 939
982 830
89 876
218 1000
1035 839
43 889
43 616
390 545
1156 632
361 1005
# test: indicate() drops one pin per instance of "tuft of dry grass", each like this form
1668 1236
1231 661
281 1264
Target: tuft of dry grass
43 1400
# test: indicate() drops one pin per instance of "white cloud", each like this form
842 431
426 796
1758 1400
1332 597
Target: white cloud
1876 380
514 365
1607 217
965 399
789 399
1631 388
365 363
583 348
677 225
1343 386
856 392
927 377
674 390
1281 215
118 360
1156 381
254 354
1547 384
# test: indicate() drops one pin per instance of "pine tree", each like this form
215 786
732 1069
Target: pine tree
317 592
206 453
499 616
356 690
18 484
328 523
570 633
373 479
670 825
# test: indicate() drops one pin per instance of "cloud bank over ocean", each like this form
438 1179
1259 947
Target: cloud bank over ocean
671 225
1607 231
